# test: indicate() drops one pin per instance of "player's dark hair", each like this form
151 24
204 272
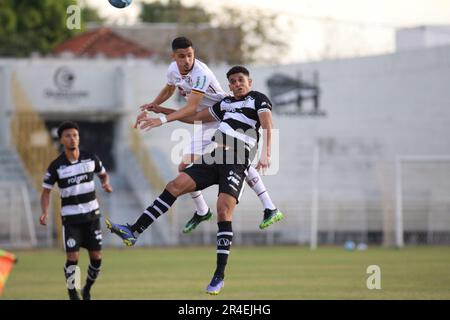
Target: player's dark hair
67 125
181 43
238 69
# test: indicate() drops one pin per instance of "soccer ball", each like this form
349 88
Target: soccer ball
120 3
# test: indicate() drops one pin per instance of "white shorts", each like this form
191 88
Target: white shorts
201 141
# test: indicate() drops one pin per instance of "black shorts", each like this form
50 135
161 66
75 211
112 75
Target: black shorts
87 235
229 175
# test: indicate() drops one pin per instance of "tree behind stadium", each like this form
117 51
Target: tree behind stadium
232 35
33 26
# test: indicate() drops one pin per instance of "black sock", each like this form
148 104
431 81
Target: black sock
69 272
153 212
224 239
92 273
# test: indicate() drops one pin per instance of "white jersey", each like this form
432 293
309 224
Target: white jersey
200 79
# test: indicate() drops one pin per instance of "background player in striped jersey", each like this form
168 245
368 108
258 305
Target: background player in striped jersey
74 172
237 140
197 83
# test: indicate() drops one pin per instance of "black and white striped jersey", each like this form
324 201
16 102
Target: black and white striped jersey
239 117
76 186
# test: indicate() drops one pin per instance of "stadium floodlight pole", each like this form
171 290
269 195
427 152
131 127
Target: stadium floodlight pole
400 159
29 215
315 199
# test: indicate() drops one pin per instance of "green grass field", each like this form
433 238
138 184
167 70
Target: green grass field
280 272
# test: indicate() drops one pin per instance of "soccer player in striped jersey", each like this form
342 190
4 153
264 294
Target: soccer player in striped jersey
197 83
237 137
74 171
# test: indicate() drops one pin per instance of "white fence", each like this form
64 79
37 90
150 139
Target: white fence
17 227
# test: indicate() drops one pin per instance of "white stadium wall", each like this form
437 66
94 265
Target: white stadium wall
376 108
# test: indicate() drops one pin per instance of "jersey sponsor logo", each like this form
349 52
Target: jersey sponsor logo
47 175
198 82
201 80
71 242
77 180
204 81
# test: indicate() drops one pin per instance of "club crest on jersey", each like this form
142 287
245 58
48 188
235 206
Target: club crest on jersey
71 242
182 91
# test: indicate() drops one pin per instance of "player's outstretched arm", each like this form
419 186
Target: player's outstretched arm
162 97
265 118
190 109
202 116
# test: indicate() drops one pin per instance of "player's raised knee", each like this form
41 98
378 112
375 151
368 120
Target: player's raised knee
178 186
224 211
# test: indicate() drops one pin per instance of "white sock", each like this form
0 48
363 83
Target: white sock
255 182
200 204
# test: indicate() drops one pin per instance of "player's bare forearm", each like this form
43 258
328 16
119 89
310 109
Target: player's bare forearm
202 116
265 119
167 111
164 110
190 109
164 95
45 201
104 178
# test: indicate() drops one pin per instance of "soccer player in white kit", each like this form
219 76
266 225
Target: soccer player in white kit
197 83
